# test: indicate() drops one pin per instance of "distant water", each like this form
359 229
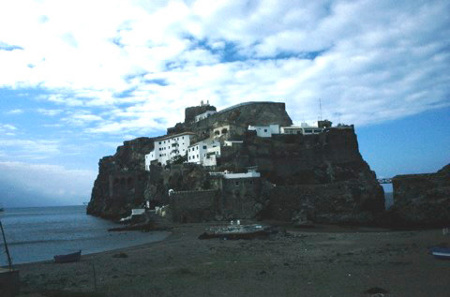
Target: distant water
388 200
37 234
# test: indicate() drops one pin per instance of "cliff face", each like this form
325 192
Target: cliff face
422 200
122 181
320 178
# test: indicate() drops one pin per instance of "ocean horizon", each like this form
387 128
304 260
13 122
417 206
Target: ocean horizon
36 234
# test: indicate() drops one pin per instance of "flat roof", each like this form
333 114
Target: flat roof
173 136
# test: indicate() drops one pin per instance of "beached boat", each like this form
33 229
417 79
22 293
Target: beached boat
9 278
235 232
441 252
73 257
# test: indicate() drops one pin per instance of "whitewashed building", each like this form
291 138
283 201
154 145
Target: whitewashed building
304 129
204 115
168 147
265 131
232 142
251 173
204 152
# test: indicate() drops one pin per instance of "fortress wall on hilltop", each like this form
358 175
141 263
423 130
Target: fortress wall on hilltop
244 114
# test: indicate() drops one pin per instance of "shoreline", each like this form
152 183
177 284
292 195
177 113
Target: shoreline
325 261
101 252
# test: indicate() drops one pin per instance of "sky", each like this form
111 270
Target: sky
77 78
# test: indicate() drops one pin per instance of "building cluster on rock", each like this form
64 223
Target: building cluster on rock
170 148
246 161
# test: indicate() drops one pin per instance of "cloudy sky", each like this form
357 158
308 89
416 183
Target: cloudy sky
79 77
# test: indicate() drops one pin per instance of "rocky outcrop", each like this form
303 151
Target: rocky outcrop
191 112
121 181
421 200
318 178
304 178
249 113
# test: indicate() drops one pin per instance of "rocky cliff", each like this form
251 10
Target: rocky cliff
122 181
249 113
421 200
319 178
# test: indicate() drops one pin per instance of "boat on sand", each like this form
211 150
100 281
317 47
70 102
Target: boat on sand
441 252
236 232
73 257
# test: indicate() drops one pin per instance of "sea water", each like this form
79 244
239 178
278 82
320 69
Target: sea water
39 233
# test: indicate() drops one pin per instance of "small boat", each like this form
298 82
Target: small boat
9 278
73 257
236 232
441 252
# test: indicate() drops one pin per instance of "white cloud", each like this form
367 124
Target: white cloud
53 183
8 127
29 148
49 112
7 130
15 111
369 61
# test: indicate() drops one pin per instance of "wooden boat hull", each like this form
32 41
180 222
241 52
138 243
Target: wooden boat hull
73 257
236 232
9 283
231 236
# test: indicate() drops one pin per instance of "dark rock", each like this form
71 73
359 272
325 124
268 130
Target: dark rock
122 181
191 112
305 178
421 200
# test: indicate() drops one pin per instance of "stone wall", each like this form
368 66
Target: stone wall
340 202
241 198
248 113
422 200
194 206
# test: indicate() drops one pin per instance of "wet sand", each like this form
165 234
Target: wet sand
321 261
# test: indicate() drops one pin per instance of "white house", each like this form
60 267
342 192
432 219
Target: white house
265 131
251 173
232 142
304 129
204 115
204 152
165 148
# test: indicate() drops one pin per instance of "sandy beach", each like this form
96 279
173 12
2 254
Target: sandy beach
320 261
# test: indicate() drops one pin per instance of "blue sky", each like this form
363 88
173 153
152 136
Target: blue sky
77 78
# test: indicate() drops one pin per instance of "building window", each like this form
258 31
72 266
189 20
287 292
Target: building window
204 147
